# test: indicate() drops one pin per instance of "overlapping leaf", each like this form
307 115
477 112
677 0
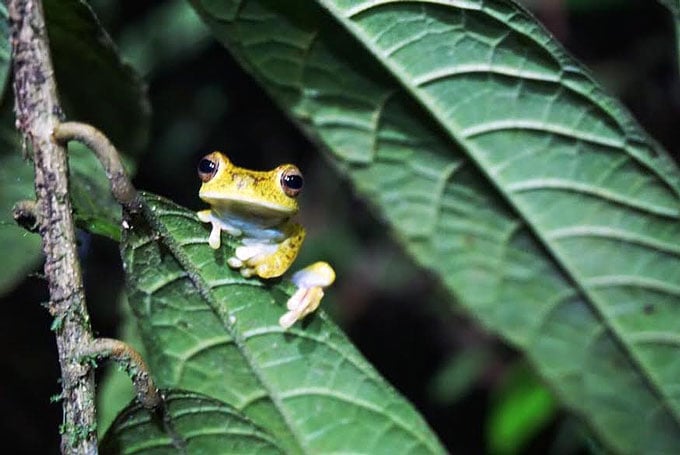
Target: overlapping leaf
209 330
188 423
502 166
674 8
95 85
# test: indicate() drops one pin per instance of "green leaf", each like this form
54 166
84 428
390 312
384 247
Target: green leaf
95 85
503 167
523 406
169 33
209 330
95 208
459 374
5 49
674 8
20 248
191 423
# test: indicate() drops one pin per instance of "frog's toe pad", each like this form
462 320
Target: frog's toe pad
234 262
318 274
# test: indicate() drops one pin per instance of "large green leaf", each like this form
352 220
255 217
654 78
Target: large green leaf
209 330
95 85
503 167
189 423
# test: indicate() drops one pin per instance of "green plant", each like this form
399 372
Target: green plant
497 162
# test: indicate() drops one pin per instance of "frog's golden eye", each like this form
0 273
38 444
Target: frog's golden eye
207 167
292 181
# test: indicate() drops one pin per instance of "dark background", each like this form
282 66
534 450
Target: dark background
202 101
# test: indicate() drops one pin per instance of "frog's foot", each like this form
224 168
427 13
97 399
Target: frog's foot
252 258
268 258
310 282
218 226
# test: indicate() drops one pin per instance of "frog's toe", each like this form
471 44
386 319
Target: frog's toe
234 262
247 272
303 302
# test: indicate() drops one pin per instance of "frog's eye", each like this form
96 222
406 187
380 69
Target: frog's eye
292 181
207 167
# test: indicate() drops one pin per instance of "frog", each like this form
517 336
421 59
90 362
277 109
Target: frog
257 208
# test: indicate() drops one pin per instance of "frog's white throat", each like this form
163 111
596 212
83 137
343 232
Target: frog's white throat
251 225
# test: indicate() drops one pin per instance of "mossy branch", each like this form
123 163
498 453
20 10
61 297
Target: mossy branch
108 156
38 116
131 362
38 112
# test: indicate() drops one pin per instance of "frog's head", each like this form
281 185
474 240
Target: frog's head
227 187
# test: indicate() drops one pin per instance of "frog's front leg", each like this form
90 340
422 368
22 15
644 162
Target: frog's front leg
266 259
218 225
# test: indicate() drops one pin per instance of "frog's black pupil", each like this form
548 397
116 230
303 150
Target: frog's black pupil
206 166
294 182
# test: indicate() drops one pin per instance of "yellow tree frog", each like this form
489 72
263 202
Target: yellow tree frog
256 207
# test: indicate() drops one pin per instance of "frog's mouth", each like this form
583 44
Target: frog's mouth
247 207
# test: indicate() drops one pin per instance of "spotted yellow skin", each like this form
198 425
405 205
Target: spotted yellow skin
252 206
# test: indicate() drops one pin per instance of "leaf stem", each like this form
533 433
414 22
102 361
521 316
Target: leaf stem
108 156
133 364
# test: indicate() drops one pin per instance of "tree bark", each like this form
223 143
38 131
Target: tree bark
38 112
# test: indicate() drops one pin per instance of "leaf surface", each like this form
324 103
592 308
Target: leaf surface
673 7
502 166
21 249
95 85
209 330
191 423
5 49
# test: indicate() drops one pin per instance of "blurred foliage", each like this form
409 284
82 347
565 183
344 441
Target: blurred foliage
461 373
202 101
522 407
95 86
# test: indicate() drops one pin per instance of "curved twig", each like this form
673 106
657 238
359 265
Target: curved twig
133 364
108 156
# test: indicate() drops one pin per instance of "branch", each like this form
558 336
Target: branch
38 112
133 364
108 156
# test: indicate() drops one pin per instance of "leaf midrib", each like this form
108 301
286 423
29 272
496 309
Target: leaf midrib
557 256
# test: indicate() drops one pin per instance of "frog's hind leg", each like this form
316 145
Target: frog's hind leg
311 282
276 264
